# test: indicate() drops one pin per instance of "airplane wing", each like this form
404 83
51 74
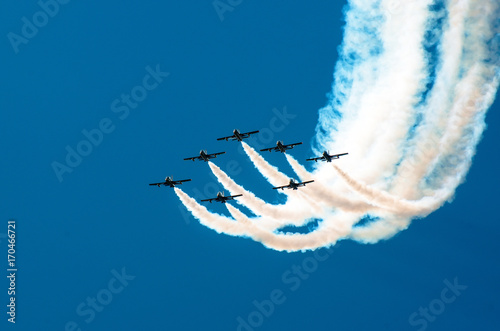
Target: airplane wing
153 184
281 187
209 200
291 145
193 158
228 137
315 159
269 149
248 134
177 182
231 197
304 183
215 154
337 155
243 135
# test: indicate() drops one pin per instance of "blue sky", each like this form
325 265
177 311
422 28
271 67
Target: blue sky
263 59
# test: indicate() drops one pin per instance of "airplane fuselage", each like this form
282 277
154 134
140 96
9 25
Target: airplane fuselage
281 147
204 156
237 135
220 198
327 157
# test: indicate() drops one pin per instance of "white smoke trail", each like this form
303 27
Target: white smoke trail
268 224
243 227
277 178
443 114
327 234
328 195
392 203
294 214
376 231
409 111
413 168
216 222
270 173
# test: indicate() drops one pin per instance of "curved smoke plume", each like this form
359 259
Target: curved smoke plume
411 88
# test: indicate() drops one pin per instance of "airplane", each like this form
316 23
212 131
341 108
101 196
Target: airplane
204 156
221 198
170 182
293 185
280 147
326 157
237 135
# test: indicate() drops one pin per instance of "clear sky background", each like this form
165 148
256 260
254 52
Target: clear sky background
260 59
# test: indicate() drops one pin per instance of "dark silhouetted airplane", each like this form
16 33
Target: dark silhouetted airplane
204 156
280 147
170 182
327 157
221 198
238 136
293 185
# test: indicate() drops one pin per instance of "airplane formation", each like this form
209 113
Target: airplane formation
238 136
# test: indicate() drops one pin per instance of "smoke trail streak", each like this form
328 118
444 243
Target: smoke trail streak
384 199
409 111
272 174
324 236
327 195
242 227
216 222
298 168
440 109
275 177
268 224
376 231
293 213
